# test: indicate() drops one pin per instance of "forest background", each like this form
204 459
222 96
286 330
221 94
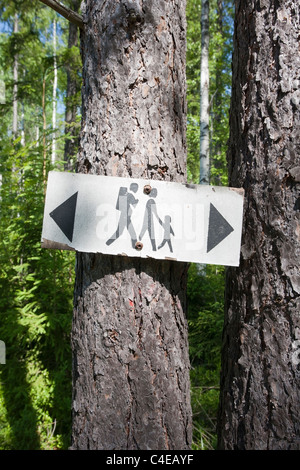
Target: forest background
40 77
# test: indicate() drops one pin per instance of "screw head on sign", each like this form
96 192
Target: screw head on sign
138 246
147 189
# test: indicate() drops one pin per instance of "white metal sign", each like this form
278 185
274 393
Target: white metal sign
143 218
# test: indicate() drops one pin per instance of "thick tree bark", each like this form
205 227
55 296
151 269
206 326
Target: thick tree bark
129 335
260 365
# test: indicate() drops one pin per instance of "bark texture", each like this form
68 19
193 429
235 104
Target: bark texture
260 379
129 336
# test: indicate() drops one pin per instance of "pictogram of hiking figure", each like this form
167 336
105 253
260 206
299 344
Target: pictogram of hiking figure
125 202
148 223
168 231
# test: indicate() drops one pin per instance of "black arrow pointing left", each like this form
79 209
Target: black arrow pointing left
64 216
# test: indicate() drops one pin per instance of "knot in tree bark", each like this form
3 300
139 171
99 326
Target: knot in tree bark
134 17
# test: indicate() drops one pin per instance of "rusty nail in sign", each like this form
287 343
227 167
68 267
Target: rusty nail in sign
147 189
138 246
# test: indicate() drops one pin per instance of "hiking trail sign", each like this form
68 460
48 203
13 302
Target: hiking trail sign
143 218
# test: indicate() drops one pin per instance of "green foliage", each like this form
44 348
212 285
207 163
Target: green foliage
36 285
205 313
35 310
220 49
205 319
221 30
193 11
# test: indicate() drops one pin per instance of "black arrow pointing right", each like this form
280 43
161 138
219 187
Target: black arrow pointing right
64 216
218 228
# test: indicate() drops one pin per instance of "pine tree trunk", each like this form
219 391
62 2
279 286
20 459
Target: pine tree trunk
204 94
260 365
129 334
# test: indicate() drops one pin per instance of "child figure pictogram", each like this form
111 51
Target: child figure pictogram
168 231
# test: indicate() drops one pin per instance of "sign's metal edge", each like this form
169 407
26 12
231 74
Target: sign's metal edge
49 244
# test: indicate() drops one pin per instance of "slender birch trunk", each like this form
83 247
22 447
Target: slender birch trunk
37 135
216 106
23 126
73 87
44 132
53 153
204 95
15 88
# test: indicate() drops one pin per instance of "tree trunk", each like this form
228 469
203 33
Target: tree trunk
53 154
129 334
73 86
204 94
23 126
217 105
260 380
44 132
15 88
